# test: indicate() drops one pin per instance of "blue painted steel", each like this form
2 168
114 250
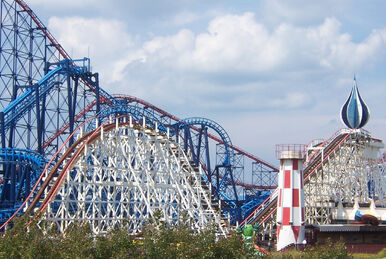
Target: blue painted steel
215 126
16 109
21 166
254 201
222 182
17 154
20 106
34 106
151 120
2 133
24 167
32 114
207 148
115 107
5 214
121 107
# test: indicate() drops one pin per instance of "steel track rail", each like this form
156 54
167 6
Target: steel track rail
172 117
266 208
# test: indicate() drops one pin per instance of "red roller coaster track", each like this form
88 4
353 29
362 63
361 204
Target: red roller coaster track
174 118
103 99
306 176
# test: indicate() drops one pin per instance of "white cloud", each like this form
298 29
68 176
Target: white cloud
237 64
239 44
291 100
266 79
236 43
172 47
61 3
299 11
183 18
105 40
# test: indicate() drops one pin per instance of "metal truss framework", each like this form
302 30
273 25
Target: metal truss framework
14 113
350 173
26 55
237 165
342 169
195 136
225 173
202 135
121 174
29 54
38 94
25 167
262 175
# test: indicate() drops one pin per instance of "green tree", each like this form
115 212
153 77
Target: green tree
157 240
22 242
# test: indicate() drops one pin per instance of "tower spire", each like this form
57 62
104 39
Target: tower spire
355 113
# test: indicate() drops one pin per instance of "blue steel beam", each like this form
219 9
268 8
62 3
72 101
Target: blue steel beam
36 28
22 169
17 108
216 127
224 180
24 103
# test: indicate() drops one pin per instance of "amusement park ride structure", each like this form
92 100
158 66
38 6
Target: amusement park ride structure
340 174
45 96
72 152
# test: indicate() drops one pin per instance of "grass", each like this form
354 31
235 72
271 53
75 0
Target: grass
380 255
298 254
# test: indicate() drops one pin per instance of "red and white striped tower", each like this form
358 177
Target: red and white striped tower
290 206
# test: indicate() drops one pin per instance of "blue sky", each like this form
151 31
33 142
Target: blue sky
270 71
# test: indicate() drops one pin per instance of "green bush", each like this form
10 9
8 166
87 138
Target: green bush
328 250
156 241
117 244
318 251
181 242
19 243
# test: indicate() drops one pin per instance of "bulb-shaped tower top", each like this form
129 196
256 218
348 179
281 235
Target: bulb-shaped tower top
355 113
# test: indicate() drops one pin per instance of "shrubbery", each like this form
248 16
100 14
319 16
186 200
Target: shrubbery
318 251
156 241
329 250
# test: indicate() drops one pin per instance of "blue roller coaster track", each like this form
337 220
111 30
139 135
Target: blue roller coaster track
45 95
